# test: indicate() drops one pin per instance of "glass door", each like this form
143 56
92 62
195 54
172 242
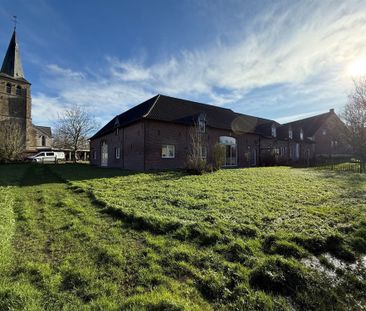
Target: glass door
230 150
230 155
104 154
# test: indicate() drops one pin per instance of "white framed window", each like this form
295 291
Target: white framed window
202 124
282 151
117 152
290 134
301 134
168 151
203 152
274 131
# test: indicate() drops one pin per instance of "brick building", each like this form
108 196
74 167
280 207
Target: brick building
328 131
156 135
16 101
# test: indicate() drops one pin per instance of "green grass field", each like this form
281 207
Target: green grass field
74 237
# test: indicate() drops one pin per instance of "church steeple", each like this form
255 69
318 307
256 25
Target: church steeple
12 65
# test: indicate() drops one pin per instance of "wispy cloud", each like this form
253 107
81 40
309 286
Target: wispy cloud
290 55
64 73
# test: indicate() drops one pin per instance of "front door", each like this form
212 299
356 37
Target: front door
230 155
104 154
253 160
297 151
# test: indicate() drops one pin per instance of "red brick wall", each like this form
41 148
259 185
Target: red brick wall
334 131
141 145
161 133
131 141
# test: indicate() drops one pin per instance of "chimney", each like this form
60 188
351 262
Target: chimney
331 110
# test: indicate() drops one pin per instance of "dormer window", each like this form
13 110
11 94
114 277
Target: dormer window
202 123
301 134
274 130
8 88
19 90
290 134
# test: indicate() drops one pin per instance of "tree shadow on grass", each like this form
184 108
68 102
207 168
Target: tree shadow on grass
353 183
24 175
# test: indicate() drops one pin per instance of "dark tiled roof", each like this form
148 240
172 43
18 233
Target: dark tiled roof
128 117
44 130
175 110
12 65
310 125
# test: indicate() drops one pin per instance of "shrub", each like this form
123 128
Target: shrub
218 156
268 159
196 165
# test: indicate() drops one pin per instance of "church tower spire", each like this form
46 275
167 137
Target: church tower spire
12 65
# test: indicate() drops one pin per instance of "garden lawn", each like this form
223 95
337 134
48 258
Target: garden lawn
76 237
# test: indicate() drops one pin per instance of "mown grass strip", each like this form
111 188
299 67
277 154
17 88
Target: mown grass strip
7 226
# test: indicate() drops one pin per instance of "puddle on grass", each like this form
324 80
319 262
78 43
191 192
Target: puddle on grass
358 268
315 264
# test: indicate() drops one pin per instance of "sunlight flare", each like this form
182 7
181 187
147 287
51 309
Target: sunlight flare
357 68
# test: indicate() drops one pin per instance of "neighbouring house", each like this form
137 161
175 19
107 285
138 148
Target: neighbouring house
156 135
328 132
43 137
16 102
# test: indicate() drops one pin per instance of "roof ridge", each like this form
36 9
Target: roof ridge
197 103
305 119
251 116
42 129
152 106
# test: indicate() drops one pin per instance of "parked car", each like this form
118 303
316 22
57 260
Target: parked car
47 157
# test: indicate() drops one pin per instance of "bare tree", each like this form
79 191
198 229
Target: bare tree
12 141
73 127
355 117
196 159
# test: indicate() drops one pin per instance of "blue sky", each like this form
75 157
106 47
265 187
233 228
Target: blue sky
282 60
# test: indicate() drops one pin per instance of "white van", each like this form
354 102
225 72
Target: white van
47 157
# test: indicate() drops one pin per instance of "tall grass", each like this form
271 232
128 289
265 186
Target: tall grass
93 239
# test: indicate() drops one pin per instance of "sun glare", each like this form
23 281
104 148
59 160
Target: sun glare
357 68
